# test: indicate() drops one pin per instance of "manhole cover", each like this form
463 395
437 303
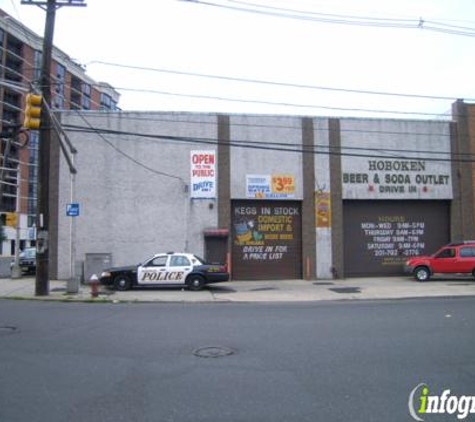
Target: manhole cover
346 290
213 352
7 330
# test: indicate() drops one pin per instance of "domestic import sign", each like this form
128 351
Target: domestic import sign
72 210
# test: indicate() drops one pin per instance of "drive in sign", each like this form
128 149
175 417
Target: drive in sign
203 174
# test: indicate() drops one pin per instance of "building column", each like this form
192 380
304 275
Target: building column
308 205
462 207
338 269
224 178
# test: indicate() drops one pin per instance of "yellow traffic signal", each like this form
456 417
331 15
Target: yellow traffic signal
11 219
32 111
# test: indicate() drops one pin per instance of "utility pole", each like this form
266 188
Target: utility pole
42 212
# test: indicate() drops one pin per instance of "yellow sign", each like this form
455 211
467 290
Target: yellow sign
283 184
323 209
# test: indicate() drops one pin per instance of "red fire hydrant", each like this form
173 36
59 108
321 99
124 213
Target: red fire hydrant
94 281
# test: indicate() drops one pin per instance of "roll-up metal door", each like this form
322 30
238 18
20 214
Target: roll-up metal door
266 240
379 236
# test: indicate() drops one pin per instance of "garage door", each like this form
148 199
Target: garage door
380 235
266 240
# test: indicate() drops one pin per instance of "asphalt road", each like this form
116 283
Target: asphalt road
339 361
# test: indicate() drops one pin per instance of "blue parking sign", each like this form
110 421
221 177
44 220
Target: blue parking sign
72 210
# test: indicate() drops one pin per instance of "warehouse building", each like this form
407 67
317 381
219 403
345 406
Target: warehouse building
273 196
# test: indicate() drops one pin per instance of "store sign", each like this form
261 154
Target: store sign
369 178
323 210
276 186
203 174
266 239
384 234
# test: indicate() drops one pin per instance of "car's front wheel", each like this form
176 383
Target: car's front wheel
422 273
195 282
122 283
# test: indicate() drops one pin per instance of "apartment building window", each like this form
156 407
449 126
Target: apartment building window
106 102
76 93
13 70
60 82
86 96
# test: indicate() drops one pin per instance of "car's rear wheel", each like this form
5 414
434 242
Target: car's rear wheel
122 283
422 273
195 282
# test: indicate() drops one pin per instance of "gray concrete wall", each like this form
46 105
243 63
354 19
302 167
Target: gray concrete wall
267 130
126 209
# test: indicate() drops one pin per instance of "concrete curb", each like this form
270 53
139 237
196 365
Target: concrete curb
274 291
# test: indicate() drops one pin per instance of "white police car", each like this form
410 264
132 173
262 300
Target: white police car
166 269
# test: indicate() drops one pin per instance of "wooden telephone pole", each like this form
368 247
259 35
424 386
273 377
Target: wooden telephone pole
42 212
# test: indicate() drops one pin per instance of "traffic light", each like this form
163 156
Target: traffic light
11 219
32 111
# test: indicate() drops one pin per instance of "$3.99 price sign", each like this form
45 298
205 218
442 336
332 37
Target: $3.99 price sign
283 184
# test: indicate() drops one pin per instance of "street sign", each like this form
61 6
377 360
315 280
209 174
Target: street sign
72 210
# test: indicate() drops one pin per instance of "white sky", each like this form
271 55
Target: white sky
196 38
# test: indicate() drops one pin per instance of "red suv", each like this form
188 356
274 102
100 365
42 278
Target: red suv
454 258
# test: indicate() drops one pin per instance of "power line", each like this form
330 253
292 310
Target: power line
412 21
259 81
341 19
128 116
101 136
265 146
286 104
275 83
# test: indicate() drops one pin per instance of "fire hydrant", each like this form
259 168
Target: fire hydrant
94 282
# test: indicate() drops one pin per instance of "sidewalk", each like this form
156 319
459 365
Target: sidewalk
258 291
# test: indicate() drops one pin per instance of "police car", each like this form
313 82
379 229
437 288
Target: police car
166 269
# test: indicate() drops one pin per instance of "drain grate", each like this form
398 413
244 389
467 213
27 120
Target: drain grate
346 289
213 352
323 284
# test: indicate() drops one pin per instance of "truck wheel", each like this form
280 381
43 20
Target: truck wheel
422 274
195 282
122 283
